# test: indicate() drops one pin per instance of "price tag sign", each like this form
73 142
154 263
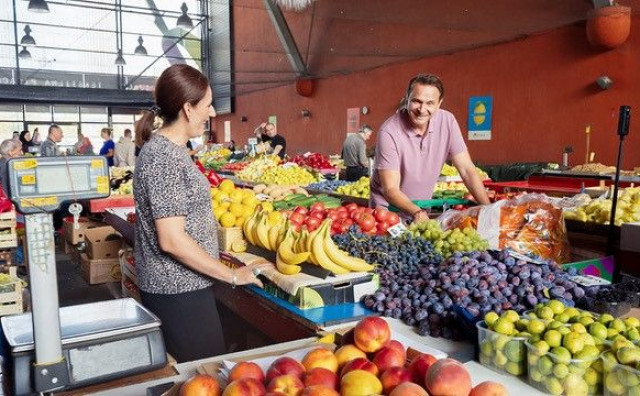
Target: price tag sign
589 280
397 230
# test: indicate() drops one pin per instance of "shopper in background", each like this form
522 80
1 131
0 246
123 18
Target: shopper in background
16 135
108 147
125 151
36 137
49 147
84 145
25 139
9 148
412 146
272 142
354 153
176 247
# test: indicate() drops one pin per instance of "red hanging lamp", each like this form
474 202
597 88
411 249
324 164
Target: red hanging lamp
609 26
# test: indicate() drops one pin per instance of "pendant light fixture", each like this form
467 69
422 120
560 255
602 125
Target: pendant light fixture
27 39
38 6
184 21
24 54
140 50
120 59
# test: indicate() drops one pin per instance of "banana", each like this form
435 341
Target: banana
282 233
285 252
342 258
301 242
262 230
254 228
247 228
284 268
319 254
273 237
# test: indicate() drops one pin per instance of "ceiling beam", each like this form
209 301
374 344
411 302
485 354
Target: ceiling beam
286 38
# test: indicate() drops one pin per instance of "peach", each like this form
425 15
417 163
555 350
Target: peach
419 366
347 353
448 377
275 394
320 357
397 345
360 383
246 370
245 387
200 384
360 364
408 389
371 334
284 365
388 357
321 376
319 390
393 377
289 384
489 388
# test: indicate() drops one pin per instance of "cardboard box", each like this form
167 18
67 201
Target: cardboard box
103 243
349 291
100 271
75 236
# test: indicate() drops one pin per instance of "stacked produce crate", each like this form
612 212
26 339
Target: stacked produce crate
8 236
10 293
129 281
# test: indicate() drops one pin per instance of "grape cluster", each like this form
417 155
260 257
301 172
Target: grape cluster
450 241
416 287
327 185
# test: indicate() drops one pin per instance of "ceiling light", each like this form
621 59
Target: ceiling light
27 39
184 21
120 59
140 50
24 54
38 6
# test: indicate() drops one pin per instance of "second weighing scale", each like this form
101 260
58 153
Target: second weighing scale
56 348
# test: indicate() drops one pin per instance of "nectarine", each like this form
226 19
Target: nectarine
489 388
284 365
392 377
319 390
389 357
288 384
321 376
360 364
397 345
448 377
347 353
320 357
360 383
246 370
245 387
200 385
419 366
371 334
408 389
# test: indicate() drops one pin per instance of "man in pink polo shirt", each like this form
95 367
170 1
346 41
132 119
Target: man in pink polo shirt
412 146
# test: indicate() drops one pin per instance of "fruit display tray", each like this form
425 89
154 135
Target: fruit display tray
504 354
620 379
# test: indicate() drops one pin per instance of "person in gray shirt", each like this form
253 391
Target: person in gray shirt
354 153
49 147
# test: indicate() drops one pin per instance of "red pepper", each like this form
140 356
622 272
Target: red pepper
200 166
214 178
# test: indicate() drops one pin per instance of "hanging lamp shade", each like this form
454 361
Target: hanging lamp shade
38 6
184 21
297 5
305 86
609 26
27 39
140 49
24 54
120 59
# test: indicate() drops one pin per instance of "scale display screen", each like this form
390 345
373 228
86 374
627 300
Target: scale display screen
50 181
41 184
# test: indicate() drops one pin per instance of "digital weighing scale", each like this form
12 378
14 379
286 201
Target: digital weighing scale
56 348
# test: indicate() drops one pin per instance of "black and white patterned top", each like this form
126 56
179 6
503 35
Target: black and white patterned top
166 183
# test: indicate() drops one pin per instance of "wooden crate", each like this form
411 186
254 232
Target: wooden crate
11 295
226 236
8 219
8 239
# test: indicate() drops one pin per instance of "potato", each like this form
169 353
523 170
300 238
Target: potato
259 188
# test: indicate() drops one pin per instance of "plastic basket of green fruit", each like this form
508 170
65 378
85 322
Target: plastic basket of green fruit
622 371
559 372
502 353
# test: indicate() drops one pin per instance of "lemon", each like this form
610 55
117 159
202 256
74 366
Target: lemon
236 209
218 212
267 206
236 196
227 220
250 201
214 191
247 192
511 315
556 306
239 246
226 186
214 204
221 196
504 326
225 205
490 318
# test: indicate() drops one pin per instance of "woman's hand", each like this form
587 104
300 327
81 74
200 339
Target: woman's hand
248 275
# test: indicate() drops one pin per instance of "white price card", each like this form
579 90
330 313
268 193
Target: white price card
589 280
397 230
263 197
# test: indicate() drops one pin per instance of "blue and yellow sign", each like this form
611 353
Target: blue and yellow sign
479 122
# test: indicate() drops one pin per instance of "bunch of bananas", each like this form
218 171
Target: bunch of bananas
293 248
599 210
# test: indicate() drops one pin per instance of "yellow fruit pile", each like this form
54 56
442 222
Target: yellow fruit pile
599 210
256 168
358 189
231 205
290 175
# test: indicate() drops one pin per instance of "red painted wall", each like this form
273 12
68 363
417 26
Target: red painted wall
543 88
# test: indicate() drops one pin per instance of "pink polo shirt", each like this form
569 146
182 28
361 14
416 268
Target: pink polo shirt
419 159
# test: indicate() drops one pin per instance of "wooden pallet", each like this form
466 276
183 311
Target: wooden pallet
8 219
11 295
8 239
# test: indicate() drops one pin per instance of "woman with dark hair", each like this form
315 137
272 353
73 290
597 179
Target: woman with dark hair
25 139
176 247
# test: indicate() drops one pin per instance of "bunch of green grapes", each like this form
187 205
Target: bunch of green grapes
448 242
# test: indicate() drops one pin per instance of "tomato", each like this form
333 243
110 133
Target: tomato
356 213
343 215
366 222
341 209
297 218
317 206
318 214
302 210
381 214
382 227
348 222
368 211
351 206
334 215
312 223
393 219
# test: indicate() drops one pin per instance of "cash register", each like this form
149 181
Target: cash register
52 348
